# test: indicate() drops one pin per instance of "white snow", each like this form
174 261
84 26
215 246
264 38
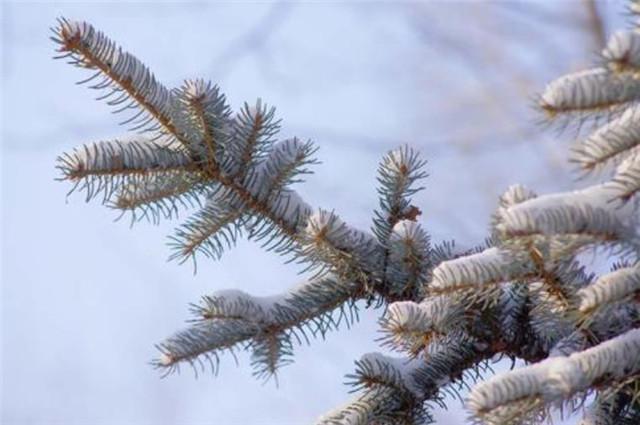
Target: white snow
525 217
129 152
609 288
630 164
516 194
560 377
408 230
623 48
396 160
256 308
585 90
492 265
323 224
404 366
616 138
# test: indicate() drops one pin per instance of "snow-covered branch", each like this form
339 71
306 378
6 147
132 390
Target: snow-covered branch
268 326
610 288
125 81
591 91
523 294
561 224
395 390
101 168
501 398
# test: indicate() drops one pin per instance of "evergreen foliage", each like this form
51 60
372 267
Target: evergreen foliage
522 295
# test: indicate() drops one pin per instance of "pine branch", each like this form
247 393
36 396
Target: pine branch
252 132
562 224
127 82
268 326
610 143
398 173
329 245
515 194
394 391
610 288
622 52
594 91
408 262
203 115
523 294
200 153
210 231
501 399
285 165
196 116
410 327
612 410
160 196
626 181
475 272
102 168
376 407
